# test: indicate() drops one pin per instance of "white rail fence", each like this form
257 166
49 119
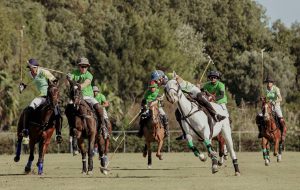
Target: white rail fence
118 135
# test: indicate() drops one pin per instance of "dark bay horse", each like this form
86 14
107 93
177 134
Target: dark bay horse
271 133
153 131
45 118
84 126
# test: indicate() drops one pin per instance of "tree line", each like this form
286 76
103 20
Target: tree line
125 40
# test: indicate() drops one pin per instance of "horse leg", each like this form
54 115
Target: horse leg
221 143
158 154
91 153
279 152
212 155
83 154
276 146
265 151
226 132
196 152
43 145
31 157
145 151
149 154
19 148
20 138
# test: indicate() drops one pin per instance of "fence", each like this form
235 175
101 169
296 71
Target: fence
243 141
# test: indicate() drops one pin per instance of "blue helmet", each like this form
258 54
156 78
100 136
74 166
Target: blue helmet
157 74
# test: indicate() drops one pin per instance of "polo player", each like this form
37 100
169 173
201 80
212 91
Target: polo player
39 77
84 78
272 93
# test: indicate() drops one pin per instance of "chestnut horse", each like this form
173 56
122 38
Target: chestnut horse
42 123
83 122
153 131
271 133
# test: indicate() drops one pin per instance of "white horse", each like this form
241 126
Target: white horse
195 123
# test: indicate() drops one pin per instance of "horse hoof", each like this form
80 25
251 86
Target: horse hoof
237 174
17 158
279 158
27 170
202 157
104 171
214 169
89 173
149 167
159 157
220 163
144 154
75 152
225 157
267 162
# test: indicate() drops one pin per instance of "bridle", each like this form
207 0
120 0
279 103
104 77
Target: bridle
191 112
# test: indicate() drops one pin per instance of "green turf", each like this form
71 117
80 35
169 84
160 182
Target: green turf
177 171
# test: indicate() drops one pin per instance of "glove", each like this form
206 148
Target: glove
69 76
22 87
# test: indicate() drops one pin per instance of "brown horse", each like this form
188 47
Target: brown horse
223 154
41 127
153 131
83 122
271 133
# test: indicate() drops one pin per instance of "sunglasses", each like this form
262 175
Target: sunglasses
84 66
213 77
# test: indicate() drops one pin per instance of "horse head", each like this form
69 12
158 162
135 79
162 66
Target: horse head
172 91
267 109
53 93
75 92
154 112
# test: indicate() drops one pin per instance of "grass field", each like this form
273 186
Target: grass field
176 171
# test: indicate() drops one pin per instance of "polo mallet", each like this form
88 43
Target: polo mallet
110 159
53 70
262 71
207 65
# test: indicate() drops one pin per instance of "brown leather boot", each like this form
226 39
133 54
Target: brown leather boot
101 121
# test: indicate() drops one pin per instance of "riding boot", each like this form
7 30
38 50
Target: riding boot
101 121
202 101
27 116
165 122
178 119
283 129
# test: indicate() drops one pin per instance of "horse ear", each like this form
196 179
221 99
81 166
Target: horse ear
174 75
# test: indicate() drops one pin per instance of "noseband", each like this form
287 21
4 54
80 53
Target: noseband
168 96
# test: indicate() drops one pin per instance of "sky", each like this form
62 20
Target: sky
288 11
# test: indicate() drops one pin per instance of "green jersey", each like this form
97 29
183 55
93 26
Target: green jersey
217 89
151 96
273 94
79 77
100 98
41 80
